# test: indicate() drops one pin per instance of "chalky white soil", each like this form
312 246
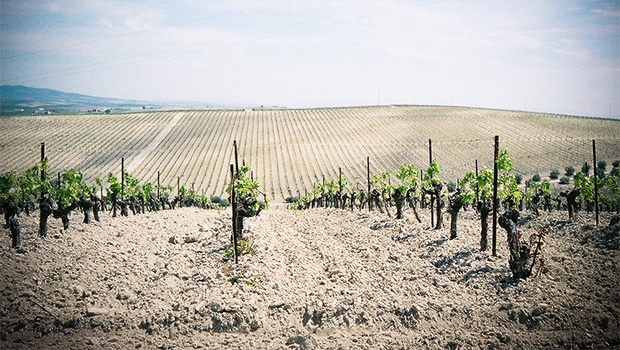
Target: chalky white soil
318 279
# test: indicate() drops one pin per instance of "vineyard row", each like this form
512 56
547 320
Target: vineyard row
291 151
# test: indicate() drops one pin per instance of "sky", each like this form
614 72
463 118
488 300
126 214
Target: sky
559 56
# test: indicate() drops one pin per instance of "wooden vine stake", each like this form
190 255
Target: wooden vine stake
236 158
476 183
594 165
122 177
368 175
494 238
323 201
340 200
430 162
233 204
234 175
42 169
42 159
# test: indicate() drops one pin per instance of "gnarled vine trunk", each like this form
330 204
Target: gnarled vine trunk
523 255
362 200
114 199
571 201
245 210
96 205
385 198
45 210
16 232
87 206
484 208
62 213
455 206
399 201
133 205
375 198
124 207
412 205
435 194
11 212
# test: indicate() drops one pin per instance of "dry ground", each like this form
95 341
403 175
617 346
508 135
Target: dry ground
319 279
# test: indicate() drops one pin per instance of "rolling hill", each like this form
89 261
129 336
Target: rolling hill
291 150
18 99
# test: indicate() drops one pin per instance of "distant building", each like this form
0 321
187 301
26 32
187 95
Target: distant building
41 111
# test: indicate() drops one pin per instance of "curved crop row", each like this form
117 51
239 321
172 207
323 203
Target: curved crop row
290 151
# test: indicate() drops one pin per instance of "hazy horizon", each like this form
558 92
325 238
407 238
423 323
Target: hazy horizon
543 56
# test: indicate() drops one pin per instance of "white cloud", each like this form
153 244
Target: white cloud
314 52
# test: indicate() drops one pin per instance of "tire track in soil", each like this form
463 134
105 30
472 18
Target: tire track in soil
153 145
335 267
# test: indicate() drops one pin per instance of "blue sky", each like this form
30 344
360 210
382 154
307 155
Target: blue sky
544 56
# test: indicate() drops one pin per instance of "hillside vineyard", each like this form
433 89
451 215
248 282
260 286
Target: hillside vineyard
291 150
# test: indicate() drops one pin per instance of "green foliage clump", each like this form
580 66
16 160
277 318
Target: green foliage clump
247 193
430 176
380 181
542 188
451 186
222 202
291 199
8 185
71 188
114 185
601 167
508 188
569 171
244 246
407 175
554 175
519 178
609 190
467 187
26 186
192 198
586 186
585 169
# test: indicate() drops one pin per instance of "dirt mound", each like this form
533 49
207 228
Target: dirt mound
317 279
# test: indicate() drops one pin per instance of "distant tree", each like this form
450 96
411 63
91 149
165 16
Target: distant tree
615 171
564 180
519 178
569 171
536 178
601 166
451 186
554 175
585 169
